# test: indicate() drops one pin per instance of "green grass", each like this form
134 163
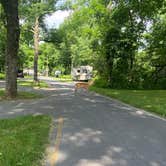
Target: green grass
2 76
21 95
31 83
28 76
23 140
150 100
64 78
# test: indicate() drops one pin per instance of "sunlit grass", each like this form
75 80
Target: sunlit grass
23 140
150 100
64 78
31 83
21 95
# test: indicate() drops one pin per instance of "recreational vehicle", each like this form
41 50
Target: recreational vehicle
82 73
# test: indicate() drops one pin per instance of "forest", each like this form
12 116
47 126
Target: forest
124 40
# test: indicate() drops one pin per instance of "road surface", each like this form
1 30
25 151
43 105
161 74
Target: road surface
93 130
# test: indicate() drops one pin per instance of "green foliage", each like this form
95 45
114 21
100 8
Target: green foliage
156 50
51 59
30 9
2 76
110 36
101 82
26 54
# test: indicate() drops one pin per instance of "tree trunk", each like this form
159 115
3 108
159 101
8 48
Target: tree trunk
110 62
36 48
13 33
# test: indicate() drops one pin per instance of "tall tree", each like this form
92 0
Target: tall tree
13 32
156 50
33 13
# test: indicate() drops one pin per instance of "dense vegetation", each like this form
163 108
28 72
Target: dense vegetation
124 40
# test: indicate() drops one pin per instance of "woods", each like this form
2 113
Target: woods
120 39
124 41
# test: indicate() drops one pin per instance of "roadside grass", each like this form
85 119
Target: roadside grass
31 83
23 140
21 95
28 76
150 100
64 78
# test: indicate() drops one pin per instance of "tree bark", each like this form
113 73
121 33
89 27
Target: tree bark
13 33
36 48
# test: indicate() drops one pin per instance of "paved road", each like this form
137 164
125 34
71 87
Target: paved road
97 131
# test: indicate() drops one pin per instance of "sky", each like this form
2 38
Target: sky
54 20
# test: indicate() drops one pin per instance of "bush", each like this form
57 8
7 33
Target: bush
101 83
161 83
2 76
133 80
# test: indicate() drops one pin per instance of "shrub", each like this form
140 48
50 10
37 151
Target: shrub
101 83
2 76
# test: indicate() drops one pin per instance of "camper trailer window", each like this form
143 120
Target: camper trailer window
78 71
85 71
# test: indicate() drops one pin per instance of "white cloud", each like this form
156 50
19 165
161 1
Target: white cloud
54 20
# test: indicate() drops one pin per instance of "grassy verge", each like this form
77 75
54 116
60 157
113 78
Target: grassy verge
23 140
31 83
21 95
150 100
64 78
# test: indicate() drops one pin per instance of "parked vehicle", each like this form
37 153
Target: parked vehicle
20 73
28 71
82 73
57 73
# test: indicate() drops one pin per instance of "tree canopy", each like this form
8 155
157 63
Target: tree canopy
123 40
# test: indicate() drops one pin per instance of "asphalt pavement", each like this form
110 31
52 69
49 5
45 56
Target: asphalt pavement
96 131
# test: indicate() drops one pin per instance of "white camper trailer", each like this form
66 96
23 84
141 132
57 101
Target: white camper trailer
82 73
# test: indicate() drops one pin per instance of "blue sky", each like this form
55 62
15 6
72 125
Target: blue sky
54 20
